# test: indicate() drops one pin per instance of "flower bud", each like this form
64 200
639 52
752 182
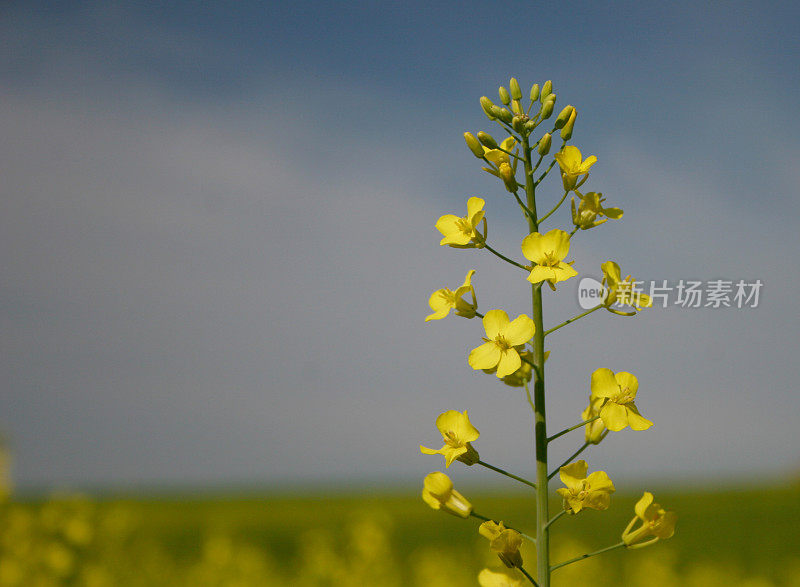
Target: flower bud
516 107
487 106
518 123
564 115
566 132
504 97
502 114
530 125
547 107
544 144
487 140
547 89
507 175
473 145
516 93
534 93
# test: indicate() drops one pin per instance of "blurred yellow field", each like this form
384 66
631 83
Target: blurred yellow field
734 537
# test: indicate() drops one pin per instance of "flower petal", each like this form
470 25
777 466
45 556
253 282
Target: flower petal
556 242
474 205
604 384
635 419
641 506
509 363
485 356
532 247
625 379
493 322
519 331
573 474
614 416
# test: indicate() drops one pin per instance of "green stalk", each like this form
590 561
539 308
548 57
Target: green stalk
542 514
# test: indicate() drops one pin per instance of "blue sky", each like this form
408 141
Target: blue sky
217 242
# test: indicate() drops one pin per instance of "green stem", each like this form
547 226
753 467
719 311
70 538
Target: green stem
571 428
542 514
507 474
587 555
561 201
573 319
504 258
557 516
527 576
570 459
546 171
527 212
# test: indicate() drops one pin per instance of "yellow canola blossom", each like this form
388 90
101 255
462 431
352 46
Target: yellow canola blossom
619 392
572 165
497 156
620 291
438 493
443 300
592 492
589 208
458 433
462 232
548 252
657 523
504 541
501 342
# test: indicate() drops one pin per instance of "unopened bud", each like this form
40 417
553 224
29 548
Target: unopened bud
518 123
487 106
530 125
516 107
473 145
547 89
534 93
504 97
502 114
487 140
566 132
547 108
507 175
544 144
516 93
564 115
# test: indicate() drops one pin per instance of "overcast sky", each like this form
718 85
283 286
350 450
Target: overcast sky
217 236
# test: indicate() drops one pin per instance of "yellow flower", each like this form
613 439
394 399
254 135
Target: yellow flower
444 300
589 208
656 522
548 251
572 166
438 493
581 491
620 291
497 156
502 339
596 430
462 232
504 541
618 392
501 578
458 433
